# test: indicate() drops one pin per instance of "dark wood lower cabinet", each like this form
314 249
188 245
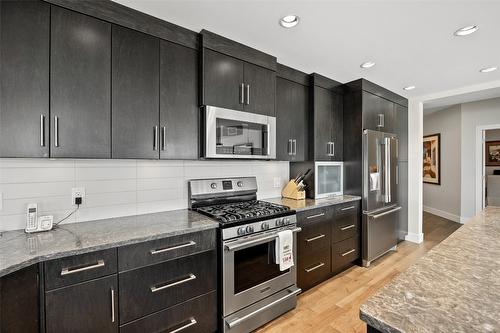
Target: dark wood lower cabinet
198 315
19 301
85 307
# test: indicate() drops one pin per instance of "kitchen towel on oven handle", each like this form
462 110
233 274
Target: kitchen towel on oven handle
284 249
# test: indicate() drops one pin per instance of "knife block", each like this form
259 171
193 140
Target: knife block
291 191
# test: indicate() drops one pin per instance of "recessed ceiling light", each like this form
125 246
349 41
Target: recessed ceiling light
488 69
466 30
289 21
367 64
409 88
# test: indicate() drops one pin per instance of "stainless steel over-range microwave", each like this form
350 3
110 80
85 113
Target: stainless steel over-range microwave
238 134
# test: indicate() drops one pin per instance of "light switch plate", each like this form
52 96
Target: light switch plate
277 182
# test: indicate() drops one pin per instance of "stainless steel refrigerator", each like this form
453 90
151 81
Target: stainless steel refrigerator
380 189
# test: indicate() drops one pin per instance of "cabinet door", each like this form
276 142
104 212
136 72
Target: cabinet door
337 127
260 90
374 109
222 81
323 123
401 114
24 79
85 307
135 94
285 94
80 85
179 111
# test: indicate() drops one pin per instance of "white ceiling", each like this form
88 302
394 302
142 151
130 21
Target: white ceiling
411 42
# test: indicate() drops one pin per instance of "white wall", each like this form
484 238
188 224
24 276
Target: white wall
474 114
115 187
444 199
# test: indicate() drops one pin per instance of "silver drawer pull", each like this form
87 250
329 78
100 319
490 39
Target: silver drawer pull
315 238
348 252
192 322
347 208
308 270
348 227
67 270
176 283
176 247
112 305
316 215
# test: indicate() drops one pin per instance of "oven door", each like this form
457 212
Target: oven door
249 271
238 134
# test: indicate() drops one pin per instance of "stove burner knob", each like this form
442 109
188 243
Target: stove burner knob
279 222
264 226
249 229
239 184
213 185
286 220
241 231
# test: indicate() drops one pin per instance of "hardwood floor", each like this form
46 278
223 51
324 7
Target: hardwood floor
333 306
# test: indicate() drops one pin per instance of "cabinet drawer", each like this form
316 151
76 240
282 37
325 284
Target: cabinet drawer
344 252
153 288
346 222
196 315
313 236
314 268
83 267
312 215
142 254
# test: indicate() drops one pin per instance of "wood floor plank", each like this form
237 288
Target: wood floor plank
333 306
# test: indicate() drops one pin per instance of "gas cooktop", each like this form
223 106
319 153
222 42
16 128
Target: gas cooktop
245 211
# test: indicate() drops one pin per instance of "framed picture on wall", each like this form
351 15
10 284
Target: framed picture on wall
492 155
432 159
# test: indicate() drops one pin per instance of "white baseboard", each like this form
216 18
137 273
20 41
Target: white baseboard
443 214
414 238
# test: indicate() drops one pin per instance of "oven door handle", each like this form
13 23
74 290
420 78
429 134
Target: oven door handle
236 322
256 240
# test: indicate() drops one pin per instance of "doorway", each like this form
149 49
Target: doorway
490 167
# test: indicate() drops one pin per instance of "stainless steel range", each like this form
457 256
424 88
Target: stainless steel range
254 290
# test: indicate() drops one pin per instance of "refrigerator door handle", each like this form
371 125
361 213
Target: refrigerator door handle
387 169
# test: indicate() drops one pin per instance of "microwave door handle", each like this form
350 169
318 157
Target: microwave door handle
268 147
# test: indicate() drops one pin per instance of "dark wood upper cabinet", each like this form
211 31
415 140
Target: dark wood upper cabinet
223 83
292 107
24 78
401 129
326 127
135 94
179 111
260 90
85 307
80 74
378 113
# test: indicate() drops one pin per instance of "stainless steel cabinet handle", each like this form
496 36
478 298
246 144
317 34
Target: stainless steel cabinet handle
42 130
290 147
347 227
381 120
248 94
333 148
155 137
385 213
163 137
190 277
192 322
294 146
238 321
242 93
68 270
348 252
315 238
112 305
308 270
56 131
171 248
315 215
347 208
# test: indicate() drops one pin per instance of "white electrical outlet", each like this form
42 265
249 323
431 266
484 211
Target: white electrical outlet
77 192
277 182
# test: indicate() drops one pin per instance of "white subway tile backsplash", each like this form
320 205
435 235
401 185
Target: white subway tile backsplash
115 187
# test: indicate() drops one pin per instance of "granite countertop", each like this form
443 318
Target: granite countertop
301 205
454 288
19 250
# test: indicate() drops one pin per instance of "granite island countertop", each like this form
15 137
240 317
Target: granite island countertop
19 250
306 204
454 288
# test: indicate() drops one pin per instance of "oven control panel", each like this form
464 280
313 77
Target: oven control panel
260 226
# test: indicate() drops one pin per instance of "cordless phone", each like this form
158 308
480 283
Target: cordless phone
32 218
